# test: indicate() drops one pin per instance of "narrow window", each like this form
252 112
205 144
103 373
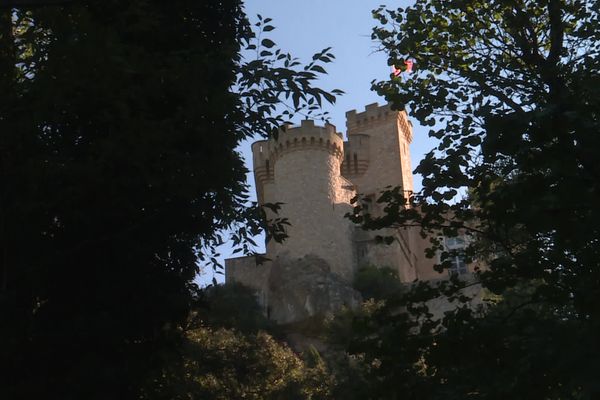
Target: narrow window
355 163
458 266
456 247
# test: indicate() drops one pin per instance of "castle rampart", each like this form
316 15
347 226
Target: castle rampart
304 137
315 174
376 115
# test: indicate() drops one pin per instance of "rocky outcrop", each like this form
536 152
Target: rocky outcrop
306 287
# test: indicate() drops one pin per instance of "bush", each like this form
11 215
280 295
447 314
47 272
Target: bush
379 283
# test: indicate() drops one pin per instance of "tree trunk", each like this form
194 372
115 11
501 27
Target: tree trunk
7 90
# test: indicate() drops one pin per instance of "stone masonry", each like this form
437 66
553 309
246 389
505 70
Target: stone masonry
315 174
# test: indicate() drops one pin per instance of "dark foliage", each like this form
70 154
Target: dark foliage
511 90
118 128
377 283
230 306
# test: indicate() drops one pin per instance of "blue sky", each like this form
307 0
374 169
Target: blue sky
306 27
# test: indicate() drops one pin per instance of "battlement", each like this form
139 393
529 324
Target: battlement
371 110
375 116
375 155
306 136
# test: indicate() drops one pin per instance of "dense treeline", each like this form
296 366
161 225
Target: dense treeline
118 128
511 91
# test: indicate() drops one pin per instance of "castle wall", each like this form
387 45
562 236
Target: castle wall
315 174
307 180
377 156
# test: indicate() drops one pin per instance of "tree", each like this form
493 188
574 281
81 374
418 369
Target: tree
226 364
510 88
377 282
227 353
230 306
118 129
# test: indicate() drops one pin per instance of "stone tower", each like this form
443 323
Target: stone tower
315 174
377 156
377 153
301 169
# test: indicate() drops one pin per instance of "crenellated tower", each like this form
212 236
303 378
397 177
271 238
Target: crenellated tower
377 151
315 174
301 169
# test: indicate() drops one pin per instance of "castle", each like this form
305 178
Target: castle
316 174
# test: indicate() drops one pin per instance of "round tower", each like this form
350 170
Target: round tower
306 177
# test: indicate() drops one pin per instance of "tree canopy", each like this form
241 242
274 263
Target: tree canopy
119 124
118 129
510 89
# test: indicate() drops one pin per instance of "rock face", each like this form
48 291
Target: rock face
306 287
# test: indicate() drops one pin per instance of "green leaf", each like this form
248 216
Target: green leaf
267 43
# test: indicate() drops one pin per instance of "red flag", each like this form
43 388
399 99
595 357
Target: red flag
408 69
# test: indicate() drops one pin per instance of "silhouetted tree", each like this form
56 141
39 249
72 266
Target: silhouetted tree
119 123
511 89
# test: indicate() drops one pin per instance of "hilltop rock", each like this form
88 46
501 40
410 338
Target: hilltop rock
306 287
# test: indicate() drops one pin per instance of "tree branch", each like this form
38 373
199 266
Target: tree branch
480 80
556 31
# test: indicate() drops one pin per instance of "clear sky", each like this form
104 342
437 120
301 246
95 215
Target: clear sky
308 26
